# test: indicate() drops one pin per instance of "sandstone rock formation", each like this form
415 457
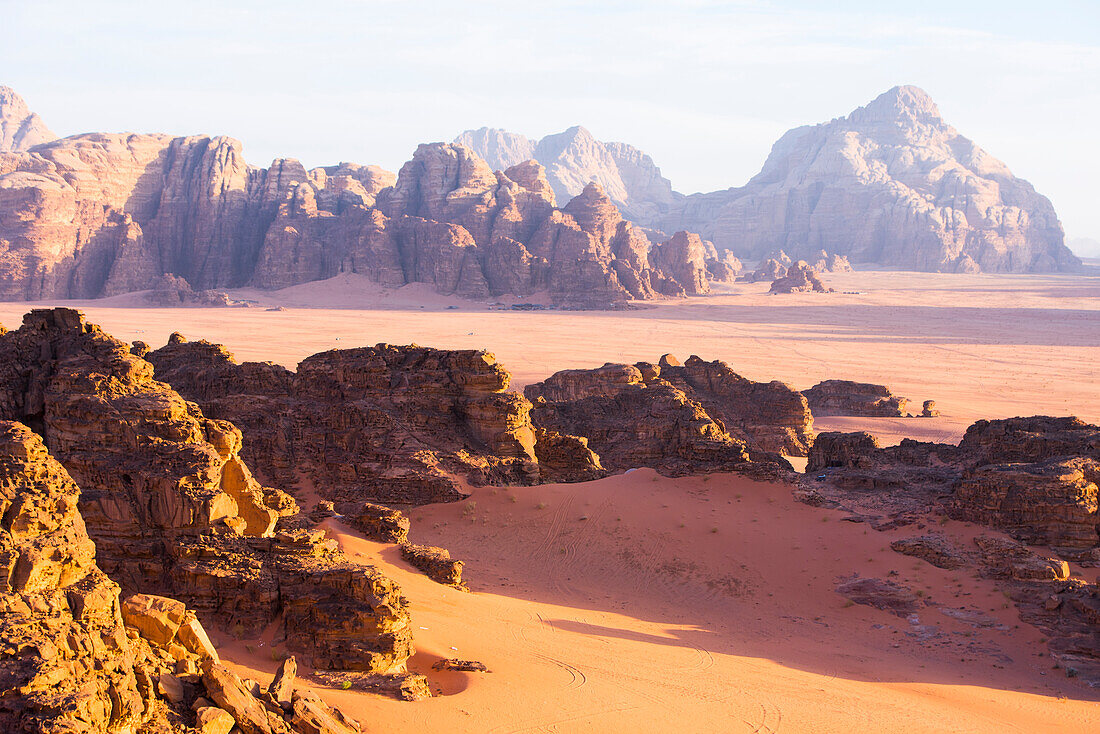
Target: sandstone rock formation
20 128
1051 502
171 290
771 269
435 562
799 278
844 397
1035 478
678 419
97 215
384 423
175 510
67 664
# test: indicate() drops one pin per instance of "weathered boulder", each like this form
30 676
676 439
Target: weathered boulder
881 594
935 549
435 562
377 522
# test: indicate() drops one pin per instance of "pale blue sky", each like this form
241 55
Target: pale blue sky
704 87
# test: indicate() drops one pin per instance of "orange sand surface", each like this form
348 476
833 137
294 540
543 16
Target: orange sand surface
706 604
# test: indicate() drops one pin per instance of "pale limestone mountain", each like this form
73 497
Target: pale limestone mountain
574 158
890 184
19 127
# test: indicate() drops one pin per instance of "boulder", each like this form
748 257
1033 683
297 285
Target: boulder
435 562
157 618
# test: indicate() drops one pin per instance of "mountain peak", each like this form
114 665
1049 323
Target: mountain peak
20 128
905 103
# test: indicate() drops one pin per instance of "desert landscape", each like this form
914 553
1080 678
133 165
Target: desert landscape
512 433
642 601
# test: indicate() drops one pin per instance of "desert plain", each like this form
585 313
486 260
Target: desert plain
643 603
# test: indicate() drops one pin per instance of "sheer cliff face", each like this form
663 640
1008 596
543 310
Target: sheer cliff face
574 158
101 214
892 184
20 128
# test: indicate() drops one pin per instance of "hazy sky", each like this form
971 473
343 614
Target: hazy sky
704 87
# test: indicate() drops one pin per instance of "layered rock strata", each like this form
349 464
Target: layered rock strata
678 419
384 423
1036 478
174 508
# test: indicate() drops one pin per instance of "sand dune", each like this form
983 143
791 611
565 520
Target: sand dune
640 603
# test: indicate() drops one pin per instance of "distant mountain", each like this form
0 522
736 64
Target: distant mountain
891 184
574 158
19 127
1084 246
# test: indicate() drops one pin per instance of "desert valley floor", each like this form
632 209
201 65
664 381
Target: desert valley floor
640 603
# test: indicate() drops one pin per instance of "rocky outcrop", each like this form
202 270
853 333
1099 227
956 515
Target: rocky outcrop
799 278
1030 439
844 397
20 129
435 562
891 184
1051 502
1035 477
384 423
678 419
175 510
770 270
173 291
768 416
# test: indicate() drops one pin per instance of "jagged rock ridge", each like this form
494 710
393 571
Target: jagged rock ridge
392 424
574 158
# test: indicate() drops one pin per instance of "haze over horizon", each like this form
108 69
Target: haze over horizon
704 87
